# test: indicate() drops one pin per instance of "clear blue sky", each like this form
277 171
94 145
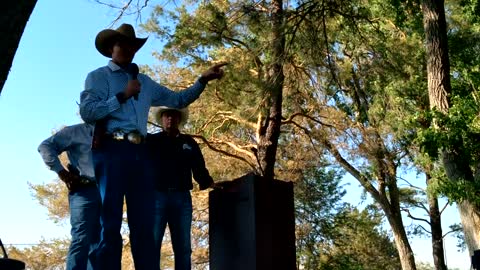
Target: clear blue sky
54 56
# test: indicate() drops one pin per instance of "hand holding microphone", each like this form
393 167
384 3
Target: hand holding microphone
133 87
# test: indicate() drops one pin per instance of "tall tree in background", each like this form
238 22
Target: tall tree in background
330 233
361 243
317 204
335 91
457 151
360 64
351 77
334 235
47 255
211 25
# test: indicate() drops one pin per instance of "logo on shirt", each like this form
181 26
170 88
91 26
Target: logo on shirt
186 147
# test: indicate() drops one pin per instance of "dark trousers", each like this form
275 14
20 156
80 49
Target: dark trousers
175 209
120 168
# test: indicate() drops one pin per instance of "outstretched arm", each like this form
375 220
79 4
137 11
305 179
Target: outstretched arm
162 96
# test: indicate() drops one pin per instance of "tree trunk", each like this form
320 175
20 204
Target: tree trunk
471 224
438 64
388 201
270 132
14 17
458 169
407 259
437 235
439 89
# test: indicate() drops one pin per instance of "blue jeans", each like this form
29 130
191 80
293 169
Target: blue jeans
120 168
85 221
174 208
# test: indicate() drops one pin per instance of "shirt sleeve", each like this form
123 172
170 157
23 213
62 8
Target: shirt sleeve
52 147
199 170
163 96
94 101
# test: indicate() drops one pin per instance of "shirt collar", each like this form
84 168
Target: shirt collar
166 134
114 67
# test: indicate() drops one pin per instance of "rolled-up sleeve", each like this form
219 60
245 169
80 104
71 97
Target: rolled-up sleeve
94 101
162 96
50 148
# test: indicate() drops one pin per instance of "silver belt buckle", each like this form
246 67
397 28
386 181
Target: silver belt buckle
134 138
118 135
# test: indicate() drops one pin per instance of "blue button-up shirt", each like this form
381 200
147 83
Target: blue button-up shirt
98 100
76 141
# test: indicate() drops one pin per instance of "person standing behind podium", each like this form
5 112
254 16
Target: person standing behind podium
83 195
175 157
118 100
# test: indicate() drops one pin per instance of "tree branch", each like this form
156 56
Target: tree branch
213 148
452 231
354 172
124 8
444 207
411 185
289 120
229 116
406 210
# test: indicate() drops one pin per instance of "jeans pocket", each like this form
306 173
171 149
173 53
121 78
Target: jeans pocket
187 200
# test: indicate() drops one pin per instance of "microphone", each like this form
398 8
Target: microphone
132 69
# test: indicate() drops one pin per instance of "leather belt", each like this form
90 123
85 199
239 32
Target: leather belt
133 137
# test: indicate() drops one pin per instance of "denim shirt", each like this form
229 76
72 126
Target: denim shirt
75 141
98 100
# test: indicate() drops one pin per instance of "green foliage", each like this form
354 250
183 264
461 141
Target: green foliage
361 243
317 203
47 255
53 196
460 131
335 235
411 197
456 131
456 229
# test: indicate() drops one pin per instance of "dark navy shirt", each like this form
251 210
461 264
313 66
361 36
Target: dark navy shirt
174 160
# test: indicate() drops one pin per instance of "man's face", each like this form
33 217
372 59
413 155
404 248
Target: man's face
123 52
171 119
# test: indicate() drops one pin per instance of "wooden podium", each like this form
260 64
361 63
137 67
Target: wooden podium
252 225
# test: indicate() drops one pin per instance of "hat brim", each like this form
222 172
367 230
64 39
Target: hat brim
158 111
107 38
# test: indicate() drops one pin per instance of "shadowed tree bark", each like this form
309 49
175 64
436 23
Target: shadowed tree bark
13 18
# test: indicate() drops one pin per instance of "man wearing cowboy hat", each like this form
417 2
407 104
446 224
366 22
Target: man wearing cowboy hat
83 196
175 157
118 99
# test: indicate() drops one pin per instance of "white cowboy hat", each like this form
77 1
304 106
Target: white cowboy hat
106 39
158 111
